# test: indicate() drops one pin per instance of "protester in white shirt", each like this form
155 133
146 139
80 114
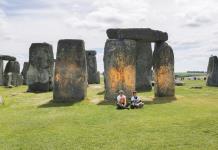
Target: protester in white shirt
135 101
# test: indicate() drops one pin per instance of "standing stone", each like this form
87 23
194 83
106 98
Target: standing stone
24 72
40 70
119 67
212 71
93 75
1 73
163 65
143 66
12 74
70 81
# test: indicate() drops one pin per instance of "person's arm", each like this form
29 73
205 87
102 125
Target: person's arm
125 100
118 99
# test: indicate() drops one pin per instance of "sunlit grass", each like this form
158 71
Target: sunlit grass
33 121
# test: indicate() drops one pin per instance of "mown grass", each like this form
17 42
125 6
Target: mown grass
33 121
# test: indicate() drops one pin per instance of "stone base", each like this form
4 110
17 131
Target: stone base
39 87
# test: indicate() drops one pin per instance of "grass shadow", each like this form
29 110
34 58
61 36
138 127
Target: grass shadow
101 93
52 103
160 100
104 102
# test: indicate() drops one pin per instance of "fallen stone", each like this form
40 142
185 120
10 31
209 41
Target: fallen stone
70 81
93 76
196 87
143 66
7 57
179 83
119 67
40 70
212 71
163 64
146 34
24 72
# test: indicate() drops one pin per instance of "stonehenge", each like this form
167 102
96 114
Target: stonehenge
128 61
163 65
70 80
119 67
24 72
143 61
212 71
40 70
93 74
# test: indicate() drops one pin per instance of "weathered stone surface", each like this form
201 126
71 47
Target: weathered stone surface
119 67
1 72
12 76
92 67
146 34
40 70
212 71
70 81
163 65
98 78
7 57
143 66
24 72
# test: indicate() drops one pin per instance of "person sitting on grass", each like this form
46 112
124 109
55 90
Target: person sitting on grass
121 101
135 101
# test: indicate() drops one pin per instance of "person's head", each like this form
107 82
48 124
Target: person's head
121 92
134 93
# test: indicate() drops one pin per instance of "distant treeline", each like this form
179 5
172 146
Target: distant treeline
190 74
196 72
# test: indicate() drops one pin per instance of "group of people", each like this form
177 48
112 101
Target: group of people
122 102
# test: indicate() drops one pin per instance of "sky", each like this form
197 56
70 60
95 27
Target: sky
192 25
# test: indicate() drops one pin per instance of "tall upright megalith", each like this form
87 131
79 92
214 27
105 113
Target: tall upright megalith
143 65
40 70
163 65
93 75
70 81
1 72
119 67
212 71
24 72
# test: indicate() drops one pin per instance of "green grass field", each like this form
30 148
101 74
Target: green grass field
33 122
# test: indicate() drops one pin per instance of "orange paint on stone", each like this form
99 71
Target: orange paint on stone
122 76
164 78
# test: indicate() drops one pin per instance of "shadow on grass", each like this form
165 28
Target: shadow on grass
104 102
52 103
101 93
160 100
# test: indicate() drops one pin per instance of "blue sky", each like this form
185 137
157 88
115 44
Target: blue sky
192 25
